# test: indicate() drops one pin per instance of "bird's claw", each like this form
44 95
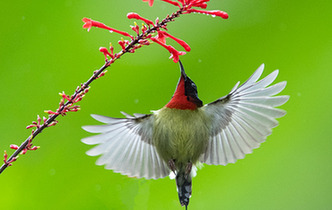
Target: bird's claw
171 165
188 169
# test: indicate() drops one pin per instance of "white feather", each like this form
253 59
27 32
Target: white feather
125 146
243 119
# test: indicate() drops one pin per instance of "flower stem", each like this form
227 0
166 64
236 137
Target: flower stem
83 87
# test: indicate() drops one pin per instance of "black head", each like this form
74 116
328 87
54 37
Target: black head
190 88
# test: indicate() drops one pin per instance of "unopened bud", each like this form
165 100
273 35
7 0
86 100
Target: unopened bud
14 146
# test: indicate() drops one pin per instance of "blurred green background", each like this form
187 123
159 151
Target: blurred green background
44 50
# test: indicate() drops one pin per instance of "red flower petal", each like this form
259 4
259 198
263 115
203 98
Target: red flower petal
24 151
88 23
135 28
51 112
111 49
14 146
174 53
105 51
30 126
161 37
122 44
132 15
198 3
218 13
181 42
5 157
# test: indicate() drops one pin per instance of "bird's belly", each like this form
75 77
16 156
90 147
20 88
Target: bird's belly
180 135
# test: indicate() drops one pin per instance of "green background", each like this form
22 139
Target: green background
44 50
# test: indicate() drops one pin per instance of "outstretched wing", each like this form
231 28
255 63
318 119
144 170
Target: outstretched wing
243 119
125 146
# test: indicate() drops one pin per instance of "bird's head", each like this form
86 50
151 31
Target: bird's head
185 96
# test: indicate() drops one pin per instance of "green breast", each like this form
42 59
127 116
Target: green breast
180 135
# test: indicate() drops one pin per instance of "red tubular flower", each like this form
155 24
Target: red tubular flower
197 3
174 53
52 123
64 96
101 74
193 2
201 5
88 23
77 98
161 37
105 51
186 7
35 148
74 108
112 54
6 157
181 42
144 28
132 15
143 42
218 13
135 28
50 112
38 120
29 147
122 44
24 151
30 126
13 146
150 2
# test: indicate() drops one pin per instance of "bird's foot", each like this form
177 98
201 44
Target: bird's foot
171 165
188 169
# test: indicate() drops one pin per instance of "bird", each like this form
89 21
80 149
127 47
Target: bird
175 139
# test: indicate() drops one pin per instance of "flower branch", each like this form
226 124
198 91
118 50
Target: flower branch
148 33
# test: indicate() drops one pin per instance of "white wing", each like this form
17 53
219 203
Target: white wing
125 146
243 119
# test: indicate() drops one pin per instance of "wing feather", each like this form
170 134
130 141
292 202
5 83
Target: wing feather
125 146
244 118
269 91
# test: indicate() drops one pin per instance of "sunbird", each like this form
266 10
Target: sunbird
184 133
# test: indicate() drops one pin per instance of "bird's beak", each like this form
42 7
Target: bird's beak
190 92
183 73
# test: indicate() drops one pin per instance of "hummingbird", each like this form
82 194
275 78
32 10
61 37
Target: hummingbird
173 140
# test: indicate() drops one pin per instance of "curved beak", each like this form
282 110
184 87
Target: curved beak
183 73
190 88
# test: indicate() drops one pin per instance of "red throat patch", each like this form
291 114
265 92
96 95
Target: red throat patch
180 100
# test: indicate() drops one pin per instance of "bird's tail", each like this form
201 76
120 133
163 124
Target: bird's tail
183 184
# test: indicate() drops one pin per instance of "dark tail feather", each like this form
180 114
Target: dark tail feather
183 184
